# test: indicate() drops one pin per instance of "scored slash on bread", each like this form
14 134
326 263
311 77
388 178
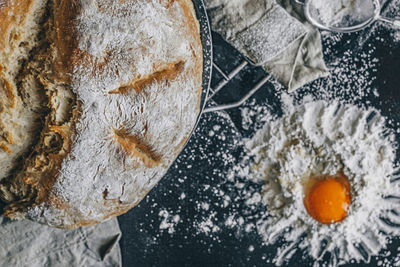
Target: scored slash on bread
133 146
98 99
167 72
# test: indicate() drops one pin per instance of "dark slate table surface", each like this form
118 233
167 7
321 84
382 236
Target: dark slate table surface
182 221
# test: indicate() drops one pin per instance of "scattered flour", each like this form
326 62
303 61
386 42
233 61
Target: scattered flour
208 225
320 138
169 221
396 36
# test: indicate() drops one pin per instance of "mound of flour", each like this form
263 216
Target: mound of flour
323 138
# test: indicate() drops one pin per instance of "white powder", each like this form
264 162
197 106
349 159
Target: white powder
208 225
183 196
205 206
396 36
169 221
341 13
322 138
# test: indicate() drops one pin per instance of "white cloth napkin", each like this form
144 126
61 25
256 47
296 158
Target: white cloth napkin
271 37
26 243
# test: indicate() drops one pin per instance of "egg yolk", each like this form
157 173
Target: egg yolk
328 199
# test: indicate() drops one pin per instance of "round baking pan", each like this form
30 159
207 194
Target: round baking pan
206 42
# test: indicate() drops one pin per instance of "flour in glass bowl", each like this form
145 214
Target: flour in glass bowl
341 13
323 137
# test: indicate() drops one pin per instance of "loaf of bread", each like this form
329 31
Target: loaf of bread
97 98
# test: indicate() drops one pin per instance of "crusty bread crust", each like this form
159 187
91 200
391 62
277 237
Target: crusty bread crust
22 100
134 112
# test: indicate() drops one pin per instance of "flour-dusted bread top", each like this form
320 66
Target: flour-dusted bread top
122 86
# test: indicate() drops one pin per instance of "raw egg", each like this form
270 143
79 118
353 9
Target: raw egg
328 198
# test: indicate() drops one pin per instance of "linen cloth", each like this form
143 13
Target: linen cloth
271 35
27 243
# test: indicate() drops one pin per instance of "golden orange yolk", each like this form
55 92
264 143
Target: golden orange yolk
328 199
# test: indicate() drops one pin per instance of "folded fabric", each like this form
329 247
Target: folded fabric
310 64
26 243
269 36
301 63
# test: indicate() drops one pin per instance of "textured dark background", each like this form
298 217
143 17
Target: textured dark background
200 168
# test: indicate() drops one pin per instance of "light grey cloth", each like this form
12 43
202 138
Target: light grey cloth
263 31
26 243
